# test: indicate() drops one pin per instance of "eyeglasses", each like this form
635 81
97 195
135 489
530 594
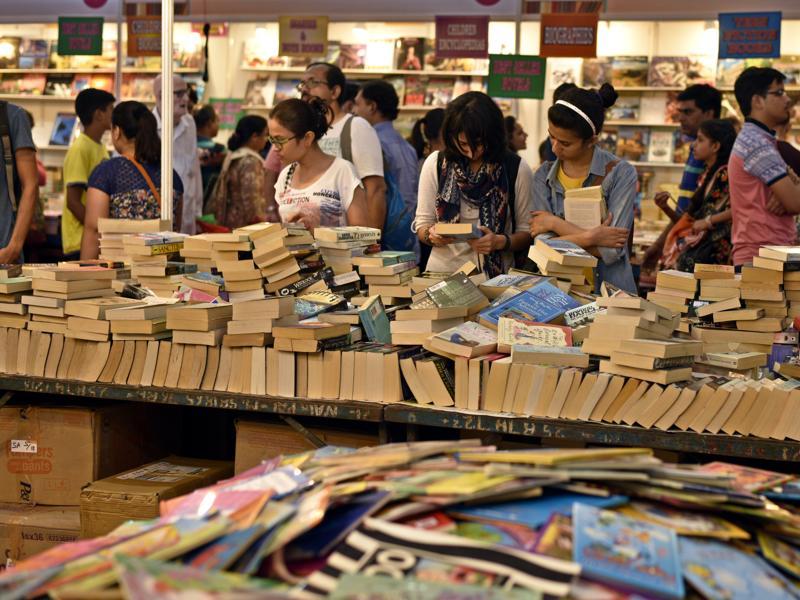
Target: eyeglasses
180 93
280 142
307 84
778 93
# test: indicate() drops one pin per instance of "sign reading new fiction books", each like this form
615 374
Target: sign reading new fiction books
750 35
144 35
462 37
80 36
568 35
303 36
516 76
229 111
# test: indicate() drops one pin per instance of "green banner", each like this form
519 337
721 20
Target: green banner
516 76
229 111
80 36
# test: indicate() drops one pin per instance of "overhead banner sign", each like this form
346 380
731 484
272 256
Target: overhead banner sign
144 36
80 36
303 36
750 35
229 111
462 37
516 76
572 35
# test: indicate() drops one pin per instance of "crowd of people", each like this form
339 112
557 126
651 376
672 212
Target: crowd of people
333 157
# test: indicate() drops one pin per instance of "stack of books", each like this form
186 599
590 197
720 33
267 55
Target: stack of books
341 246
14 312
112 231
233 259
202 324
413 326
273 257
392 282
253 320
197 250
88 319
154 260
140 323
785 260
565 261
202 286
675 290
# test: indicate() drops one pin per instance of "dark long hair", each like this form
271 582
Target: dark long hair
593 103
246 128
299 116
479 118
723 132
426 129
139 124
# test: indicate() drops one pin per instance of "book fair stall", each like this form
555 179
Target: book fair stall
283 411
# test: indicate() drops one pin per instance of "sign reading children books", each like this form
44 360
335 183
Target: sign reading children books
568 35
516 76
229 111
144 35
462 37
80 36
750 35
303 36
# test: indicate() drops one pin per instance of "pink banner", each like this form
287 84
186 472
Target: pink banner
462 37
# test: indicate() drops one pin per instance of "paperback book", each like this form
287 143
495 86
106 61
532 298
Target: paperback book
668 71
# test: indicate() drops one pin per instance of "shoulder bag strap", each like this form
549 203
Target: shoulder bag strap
149 181
346 139
8 154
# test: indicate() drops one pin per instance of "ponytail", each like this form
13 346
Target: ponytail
137 123
300 117
417 140
426 129
246 128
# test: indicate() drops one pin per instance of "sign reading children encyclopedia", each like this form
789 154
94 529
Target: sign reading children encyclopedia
516 76
750 35
80 36
462 37
303 36
568 35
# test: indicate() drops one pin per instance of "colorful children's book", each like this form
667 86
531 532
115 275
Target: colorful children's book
632 143
543 303
555 537
629 71
668 71
784 556
505 534
596 71
685 522
747 479
626 108
626 552
352 56
722 572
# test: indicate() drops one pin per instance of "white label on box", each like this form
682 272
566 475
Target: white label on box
24 446
163 472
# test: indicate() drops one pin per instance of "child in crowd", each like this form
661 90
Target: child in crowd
474 180
702 234
238 199
315 188
93 108
575 122
127 186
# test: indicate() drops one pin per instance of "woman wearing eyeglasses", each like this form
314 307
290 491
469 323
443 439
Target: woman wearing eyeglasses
316 189
238 198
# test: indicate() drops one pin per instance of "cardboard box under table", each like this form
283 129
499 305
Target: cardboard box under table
27 530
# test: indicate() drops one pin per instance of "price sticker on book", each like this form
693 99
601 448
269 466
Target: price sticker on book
24 447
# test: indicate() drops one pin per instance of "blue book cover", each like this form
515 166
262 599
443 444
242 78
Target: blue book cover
541 303
375 322
535 512
721 572
627 552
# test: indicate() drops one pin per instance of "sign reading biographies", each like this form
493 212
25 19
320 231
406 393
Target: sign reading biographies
80 36
516 76
144 36
462 37
750 35
303 36
570 35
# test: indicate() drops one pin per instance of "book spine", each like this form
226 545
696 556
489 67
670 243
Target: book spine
447 376
160 249
673 363
325 274
352 236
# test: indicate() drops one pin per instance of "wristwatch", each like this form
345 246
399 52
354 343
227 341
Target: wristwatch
507 245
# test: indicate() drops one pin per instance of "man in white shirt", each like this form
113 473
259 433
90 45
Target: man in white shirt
185 159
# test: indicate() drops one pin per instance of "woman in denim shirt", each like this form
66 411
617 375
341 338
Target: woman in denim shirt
575 122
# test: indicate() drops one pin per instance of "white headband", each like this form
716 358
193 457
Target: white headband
580 112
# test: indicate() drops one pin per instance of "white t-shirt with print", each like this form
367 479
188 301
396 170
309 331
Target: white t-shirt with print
366 147
326 200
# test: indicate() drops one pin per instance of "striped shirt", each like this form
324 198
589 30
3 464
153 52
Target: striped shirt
691 175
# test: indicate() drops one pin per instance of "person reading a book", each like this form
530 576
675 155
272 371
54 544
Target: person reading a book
517 138
475 180
93 108
239 198
575 122
765 194
315 188
128 186
702 234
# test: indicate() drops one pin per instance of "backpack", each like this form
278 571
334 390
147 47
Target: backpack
11 177
397 233
511 163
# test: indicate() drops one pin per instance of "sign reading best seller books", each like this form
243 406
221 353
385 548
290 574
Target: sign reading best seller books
303 36
750 35
516 76
80 36
568 35
462 37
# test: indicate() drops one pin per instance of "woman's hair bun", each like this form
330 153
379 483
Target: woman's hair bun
608 95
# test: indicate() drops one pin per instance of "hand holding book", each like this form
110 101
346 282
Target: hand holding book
438 240
489 242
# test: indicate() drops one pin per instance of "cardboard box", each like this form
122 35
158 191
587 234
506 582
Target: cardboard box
136 494
257 441
50 452
27 530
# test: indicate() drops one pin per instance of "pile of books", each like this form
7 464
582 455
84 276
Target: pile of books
388 275
675 290
112 232
565 261
14 312
252 321
154 260
88 319
340 247
233 260
272 254
203 323
679 522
